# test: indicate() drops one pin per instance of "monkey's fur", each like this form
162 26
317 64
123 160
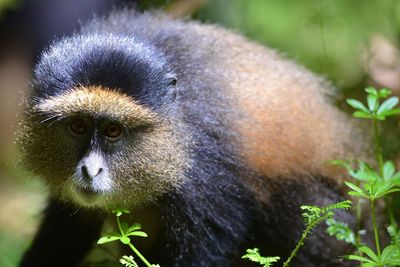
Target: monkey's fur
223 140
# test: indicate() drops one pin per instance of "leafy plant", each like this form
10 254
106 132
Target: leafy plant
390 256
394 232
341 231
254 255
312 216
373 184
125 232
369 183
128 261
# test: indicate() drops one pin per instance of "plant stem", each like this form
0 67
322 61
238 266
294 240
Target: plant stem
139 255
379 159
299 244
359 219
373 214
378 147
119 226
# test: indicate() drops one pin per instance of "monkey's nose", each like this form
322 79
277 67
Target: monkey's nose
90 172
91 165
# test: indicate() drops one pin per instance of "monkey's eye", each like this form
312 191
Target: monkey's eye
113 131
78 127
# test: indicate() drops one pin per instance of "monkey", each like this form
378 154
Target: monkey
213 138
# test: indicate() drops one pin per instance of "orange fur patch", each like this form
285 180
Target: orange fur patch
287 127
97 102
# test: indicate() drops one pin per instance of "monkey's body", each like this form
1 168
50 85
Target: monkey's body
234 148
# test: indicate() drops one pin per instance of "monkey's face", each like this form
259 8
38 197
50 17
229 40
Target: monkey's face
97 147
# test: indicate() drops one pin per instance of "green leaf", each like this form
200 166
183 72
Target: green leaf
356 194
357 105
107 239
390 112
388 104
371 91
119 211
357 258
128 261
372 102
254 255
369 252
137 233
124 227
362 115
388 170
134 227
371 264
394 232
380 117
365 173
356 189
341 231
384 92
344 205
390 253
389 192
380 191
125 240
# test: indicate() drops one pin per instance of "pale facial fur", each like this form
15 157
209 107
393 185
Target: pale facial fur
146 163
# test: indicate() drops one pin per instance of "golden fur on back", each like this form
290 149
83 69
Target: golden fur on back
287 126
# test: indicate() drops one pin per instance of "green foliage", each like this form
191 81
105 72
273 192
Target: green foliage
325 36
341 231
254 255
125 232
128 261
375 110
312 216
394 233
369 183
390 257
373 184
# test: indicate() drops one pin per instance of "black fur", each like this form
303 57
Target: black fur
213 217
65 236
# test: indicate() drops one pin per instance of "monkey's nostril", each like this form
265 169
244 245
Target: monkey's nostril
85 173
89 174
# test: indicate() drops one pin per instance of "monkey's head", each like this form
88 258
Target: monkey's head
100 125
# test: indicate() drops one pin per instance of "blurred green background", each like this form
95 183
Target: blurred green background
352 43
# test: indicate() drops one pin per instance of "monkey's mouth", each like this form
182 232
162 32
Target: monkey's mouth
87 191
87 195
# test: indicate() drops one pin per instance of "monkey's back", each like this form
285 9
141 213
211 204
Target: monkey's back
274 113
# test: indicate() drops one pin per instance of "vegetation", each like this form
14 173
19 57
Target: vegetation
125 232
372 184
312 216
